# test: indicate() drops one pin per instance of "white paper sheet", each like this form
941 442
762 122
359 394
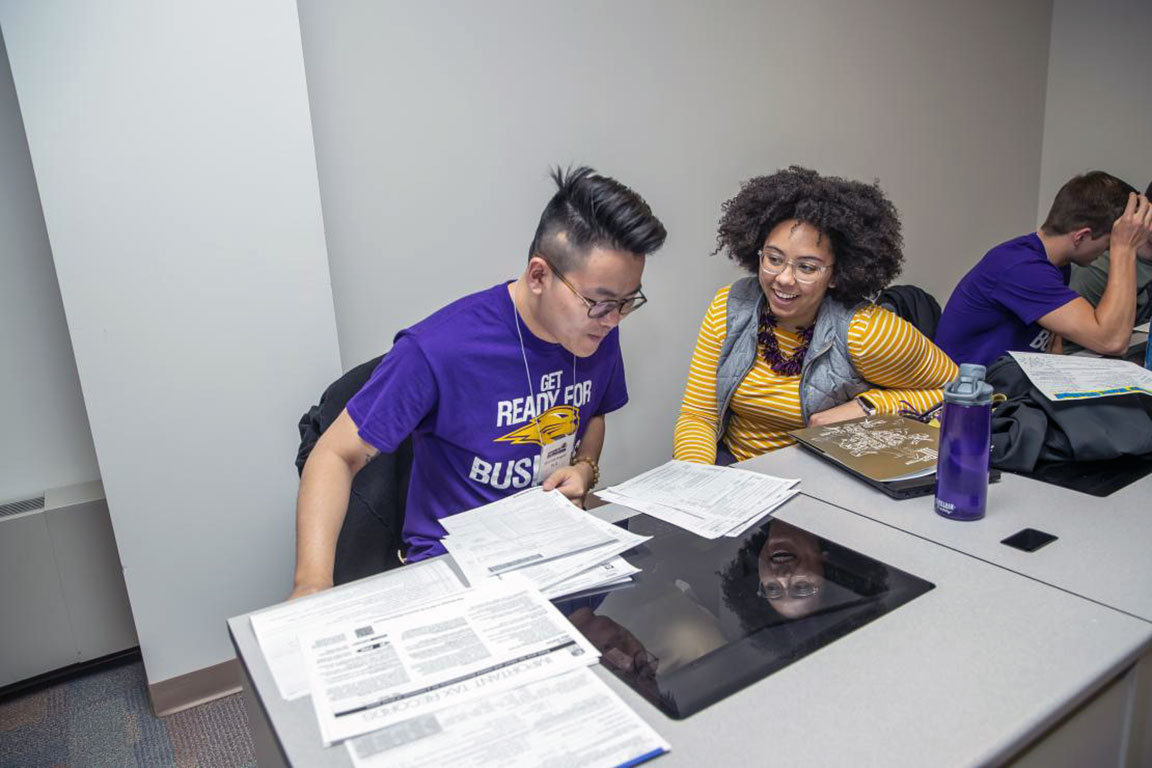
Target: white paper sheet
572 720
531 527
615 572
1141 328
276 629
370 674
1070 377
707 500
553 573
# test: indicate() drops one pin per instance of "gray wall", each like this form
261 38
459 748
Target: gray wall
173 153
176 184
45 441
1099 108
435 124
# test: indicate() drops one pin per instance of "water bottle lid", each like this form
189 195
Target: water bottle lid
969 388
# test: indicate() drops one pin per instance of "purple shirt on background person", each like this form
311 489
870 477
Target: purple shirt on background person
994 308
456 382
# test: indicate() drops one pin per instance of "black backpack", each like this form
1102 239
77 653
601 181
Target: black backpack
1028 427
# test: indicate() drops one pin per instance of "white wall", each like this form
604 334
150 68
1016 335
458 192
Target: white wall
45 441
173 153
435 125
1099 109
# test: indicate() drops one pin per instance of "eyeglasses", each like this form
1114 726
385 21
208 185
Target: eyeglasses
797 589
604 307
806 272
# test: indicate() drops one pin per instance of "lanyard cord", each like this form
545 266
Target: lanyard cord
528 373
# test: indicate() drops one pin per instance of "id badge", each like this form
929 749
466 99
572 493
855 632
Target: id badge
555 455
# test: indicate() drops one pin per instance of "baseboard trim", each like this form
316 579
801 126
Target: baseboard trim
56 676
195 688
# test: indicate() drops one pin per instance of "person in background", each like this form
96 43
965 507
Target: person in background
1091 281
799 343
500 390
1017 297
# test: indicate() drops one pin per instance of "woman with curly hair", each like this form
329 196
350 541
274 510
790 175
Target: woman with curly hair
800 343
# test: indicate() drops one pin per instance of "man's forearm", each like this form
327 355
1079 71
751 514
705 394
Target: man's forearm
1116 311
321 504
593 441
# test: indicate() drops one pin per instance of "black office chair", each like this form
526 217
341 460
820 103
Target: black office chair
913 304
374 523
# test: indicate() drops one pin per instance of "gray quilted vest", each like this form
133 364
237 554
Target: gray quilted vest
827 377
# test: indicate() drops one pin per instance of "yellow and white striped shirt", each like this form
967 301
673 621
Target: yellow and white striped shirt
906 368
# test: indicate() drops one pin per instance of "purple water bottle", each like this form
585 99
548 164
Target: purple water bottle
965 439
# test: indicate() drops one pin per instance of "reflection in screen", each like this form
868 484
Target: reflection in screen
709 617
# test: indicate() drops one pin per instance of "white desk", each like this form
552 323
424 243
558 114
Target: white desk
979 670
1104 550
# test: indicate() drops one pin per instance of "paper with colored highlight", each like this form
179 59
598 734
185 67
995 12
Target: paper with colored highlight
1070 377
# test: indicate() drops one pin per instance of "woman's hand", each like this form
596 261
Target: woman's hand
849 410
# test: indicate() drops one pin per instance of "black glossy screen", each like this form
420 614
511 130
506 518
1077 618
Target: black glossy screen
709 617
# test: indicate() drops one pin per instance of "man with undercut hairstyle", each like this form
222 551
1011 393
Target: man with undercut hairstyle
500 390
1017 297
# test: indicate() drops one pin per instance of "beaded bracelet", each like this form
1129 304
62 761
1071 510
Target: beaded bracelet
595 468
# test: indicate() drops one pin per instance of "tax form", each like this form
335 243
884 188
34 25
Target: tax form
1070 377
707 500
276 629
501 634
531 527
552 575
572 720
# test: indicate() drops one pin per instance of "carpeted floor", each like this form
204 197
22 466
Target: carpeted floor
103 718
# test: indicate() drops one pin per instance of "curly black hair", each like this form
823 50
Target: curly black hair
859 220
739 578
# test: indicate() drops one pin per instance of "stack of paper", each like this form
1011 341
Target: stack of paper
707 500
540 536
491 676
569 720
402 590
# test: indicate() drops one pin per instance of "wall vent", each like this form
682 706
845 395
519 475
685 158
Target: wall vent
19 507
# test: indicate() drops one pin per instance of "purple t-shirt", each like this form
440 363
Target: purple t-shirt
456 383
994 308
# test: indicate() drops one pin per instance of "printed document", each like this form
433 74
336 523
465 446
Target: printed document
533 526
371 674
573 720
707 500
402 589
550 575
1070 377
614 573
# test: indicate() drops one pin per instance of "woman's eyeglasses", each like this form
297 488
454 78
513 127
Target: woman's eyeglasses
804 271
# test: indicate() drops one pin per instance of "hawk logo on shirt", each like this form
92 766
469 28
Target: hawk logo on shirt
556 422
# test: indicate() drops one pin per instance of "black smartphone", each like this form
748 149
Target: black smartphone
1029 539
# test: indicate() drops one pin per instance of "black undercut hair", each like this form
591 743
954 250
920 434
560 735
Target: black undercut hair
589 211
1094 200
858 219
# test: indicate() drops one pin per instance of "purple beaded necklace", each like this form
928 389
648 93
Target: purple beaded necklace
785 366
